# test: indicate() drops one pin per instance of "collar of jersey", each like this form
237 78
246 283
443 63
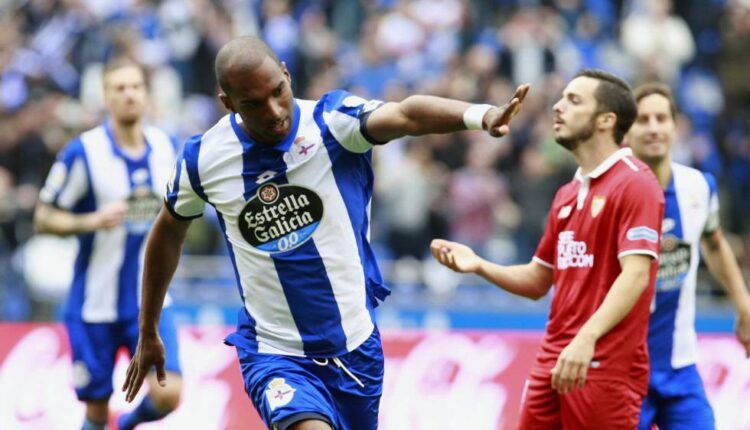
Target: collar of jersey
282 146
119 152
605 165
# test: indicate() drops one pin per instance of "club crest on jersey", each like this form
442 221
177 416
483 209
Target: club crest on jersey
597 204
280 218
279 393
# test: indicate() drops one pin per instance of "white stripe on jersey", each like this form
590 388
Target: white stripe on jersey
693 196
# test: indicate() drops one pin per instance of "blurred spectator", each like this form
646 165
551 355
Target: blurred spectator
659 41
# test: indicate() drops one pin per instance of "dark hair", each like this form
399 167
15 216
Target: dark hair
614 95
663 90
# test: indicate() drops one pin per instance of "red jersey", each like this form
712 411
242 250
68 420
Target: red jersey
595 219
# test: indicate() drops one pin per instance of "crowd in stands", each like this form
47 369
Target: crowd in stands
491 194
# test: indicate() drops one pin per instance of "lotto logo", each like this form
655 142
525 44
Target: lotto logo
571 252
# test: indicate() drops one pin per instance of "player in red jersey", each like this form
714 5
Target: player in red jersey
599 250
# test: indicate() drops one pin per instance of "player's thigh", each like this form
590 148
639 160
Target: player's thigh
540 405
689 410
357 400
601 405
93 347
649 410
284 392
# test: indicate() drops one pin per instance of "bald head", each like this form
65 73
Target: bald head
239 56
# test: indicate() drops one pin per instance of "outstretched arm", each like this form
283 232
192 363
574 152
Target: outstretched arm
723 265
162 255
531 280
417 115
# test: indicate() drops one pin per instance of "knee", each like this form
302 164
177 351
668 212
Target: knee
310 425
167 399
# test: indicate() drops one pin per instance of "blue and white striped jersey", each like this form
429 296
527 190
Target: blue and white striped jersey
692 209
91 172
296 221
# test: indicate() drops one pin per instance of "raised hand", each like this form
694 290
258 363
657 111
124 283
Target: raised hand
497 120
455 256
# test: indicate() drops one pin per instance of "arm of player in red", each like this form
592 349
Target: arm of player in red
419 114
531 280
162 255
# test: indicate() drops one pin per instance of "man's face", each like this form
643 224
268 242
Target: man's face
125 94
263 98
575 112
654 131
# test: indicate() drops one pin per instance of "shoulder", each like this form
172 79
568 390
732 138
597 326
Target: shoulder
634 173
692 179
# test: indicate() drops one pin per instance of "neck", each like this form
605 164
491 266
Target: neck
662 169
128 136
593 152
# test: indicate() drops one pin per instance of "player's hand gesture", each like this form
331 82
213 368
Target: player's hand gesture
572 365
455 256
742 329
111 215
149 353
497 120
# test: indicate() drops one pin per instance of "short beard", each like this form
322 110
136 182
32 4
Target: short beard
571 143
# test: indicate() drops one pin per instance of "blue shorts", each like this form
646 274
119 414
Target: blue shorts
676 400
344 391
95 347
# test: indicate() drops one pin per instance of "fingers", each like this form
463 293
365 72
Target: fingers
133 380
161 374
567 376
521 92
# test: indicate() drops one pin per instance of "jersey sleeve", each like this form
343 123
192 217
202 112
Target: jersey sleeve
67 182
345 115
545 251
639 217
183 198
712 222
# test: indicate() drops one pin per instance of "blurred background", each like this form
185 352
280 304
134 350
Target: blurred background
491 194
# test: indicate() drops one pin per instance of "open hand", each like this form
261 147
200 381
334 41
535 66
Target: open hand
497 120
455 256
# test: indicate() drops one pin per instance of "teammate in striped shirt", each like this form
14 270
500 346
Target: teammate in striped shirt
292 181
676 398
103 188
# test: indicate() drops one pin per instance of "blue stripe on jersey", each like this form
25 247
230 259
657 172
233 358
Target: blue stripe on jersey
245 322
190 152
354 179
301 271
85 241
175 184
310 297
662 321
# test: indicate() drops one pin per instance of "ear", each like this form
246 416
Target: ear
286 73
227 102
606 120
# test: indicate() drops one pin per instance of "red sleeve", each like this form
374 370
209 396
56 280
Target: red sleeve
545 251
639 217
